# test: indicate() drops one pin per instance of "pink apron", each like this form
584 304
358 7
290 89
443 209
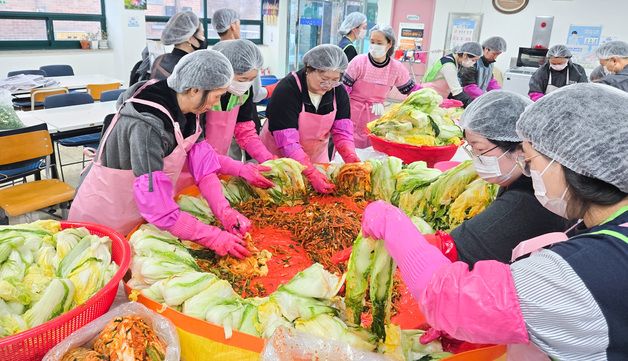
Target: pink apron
219 128
363 95
106 195
314 132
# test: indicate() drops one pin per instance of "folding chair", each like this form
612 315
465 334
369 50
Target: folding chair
95 90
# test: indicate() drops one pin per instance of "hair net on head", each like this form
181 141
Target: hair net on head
389 33
326 57
559 51
613 48
494 115
471 48
582 127
495 43
180 28
597 74
242 54
223 18
351 22
203 69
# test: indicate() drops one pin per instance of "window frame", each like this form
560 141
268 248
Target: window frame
207 21
49 18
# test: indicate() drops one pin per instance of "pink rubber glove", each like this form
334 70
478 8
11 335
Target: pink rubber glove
249 140
270 89
202 160
473 90
416 258
451 103
416 87
153 196
493 85
535 96
479 306
250 172
287 141
342 134
232 221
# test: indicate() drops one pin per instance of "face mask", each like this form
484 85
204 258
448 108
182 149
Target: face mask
467 63
378 51
558 67
239 87
557 206
203 44
361 34
487 167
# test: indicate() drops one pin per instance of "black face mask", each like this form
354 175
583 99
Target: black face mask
203 44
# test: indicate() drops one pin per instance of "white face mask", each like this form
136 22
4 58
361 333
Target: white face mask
487 167
378 51
557 206
239 87
467 63
362 34
559 67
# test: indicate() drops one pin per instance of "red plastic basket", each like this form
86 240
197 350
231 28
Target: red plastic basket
33 344
412 153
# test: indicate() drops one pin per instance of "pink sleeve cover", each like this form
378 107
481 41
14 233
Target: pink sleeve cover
247 138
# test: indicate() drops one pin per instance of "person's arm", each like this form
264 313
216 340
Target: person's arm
259 92
403 82
245 134
342 129
538 83
468 80
493 84
450 74
350 52
354 72
582 74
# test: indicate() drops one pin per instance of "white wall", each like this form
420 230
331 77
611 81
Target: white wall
517 28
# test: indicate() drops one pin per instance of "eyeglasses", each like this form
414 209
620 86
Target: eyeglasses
469 150
524 164
328 83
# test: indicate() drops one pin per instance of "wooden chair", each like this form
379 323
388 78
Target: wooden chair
38 95
96 89
27 144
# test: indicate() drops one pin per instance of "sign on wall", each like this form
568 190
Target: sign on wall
462 28
583 41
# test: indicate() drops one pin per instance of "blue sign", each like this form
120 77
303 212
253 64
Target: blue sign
584 35
311 21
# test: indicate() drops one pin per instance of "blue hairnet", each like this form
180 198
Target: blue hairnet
559 51
494 115
472 48
223 18
243 54
326 57
495 43
388 32
180 28
582 127
203 69
613 48
351 22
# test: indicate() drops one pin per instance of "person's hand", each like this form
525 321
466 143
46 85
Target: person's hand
234 222
430 335
377 109
381 220
252 174
319 181
226 244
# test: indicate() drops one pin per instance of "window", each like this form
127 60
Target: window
159 11
49 24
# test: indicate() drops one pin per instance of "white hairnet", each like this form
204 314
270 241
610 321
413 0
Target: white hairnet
582 127
471 48
203 69
180 28
559 51
351 22
495 43
494 115
242 54
597 74
613 48
389 33
326 57
223 18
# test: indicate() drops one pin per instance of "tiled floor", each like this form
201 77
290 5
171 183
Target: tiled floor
72 176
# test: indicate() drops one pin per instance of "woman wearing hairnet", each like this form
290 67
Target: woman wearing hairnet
494 146
235 112
186 33
370 77
558 72
614 58
565 300
443 75
479 79
352 28
153 137
307 107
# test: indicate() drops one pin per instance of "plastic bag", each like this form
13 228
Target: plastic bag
86 336
291 345
8 117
